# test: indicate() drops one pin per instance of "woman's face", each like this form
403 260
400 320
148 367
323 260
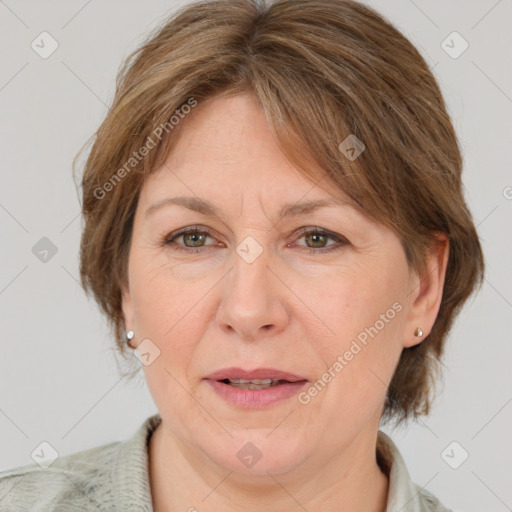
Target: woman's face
250 290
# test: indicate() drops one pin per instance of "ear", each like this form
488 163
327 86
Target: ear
127 307
427 292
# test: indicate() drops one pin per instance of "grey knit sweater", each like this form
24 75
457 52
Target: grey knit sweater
115 477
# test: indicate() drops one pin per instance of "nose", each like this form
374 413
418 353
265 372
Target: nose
253 299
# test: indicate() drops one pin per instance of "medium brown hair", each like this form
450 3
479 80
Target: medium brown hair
321 70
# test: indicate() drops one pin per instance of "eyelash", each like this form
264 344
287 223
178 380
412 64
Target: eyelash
169 240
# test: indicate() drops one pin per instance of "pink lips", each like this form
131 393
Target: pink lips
255 398
259 373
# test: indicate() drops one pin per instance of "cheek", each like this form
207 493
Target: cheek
351 387
165 304
363 315
171 313
353 305
167 312
174 313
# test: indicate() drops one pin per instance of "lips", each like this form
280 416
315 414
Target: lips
255 389
257 374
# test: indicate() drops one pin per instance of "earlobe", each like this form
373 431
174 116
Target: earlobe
126 304
427 292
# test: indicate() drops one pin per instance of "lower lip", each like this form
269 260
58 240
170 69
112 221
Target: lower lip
256 398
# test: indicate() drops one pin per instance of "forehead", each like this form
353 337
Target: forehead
225 148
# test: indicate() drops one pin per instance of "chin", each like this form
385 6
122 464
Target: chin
255 453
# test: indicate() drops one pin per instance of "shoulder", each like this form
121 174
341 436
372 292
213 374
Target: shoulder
404 494
428 502
107 478
80 481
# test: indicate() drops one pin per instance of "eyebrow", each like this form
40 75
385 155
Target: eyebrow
207 208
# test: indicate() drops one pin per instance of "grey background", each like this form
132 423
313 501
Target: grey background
59 381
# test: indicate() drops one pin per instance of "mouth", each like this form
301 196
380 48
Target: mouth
254 383
266 377
255 388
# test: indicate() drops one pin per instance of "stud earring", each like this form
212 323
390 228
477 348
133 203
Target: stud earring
129 337
418 332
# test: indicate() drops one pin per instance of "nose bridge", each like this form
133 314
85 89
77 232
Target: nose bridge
251 300
249 281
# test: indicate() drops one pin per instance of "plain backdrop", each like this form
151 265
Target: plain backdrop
59 381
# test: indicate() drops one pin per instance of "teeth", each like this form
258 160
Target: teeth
254 381
253 384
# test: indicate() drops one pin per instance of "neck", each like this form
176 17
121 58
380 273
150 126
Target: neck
348 481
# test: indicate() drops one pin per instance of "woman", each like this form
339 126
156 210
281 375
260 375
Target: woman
275 223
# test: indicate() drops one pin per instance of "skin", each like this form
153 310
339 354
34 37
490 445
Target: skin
289 309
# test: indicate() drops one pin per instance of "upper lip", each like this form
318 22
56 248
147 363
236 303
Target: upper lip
256 374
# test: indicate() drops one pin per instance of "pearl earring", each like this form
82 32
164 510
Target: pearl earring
418 332
129 337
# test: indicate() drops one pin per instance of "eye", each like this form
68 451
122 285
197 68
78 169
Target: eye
318 237
194 238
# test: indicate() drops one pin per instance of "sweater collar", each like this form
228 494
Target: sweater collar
130 473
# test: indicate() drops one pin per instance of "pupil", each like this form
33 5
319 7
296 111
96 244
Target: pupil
317 237
195 235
